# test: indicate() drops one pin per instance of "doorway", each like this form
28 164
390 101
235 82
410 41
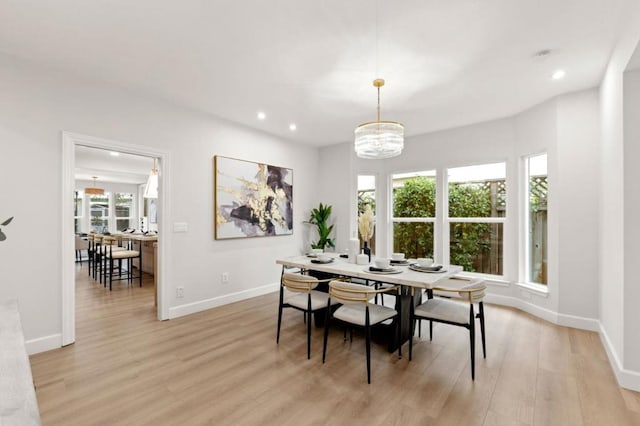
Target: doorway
72 141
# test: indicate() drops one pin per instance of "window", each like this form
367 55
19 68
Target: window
536 218
99 211
367 198
414 213
476 217
124 211
77 211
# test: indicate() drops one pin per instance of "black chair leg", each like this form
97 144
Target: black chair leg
368 344
110 275
280 314
412 323
309 326
472 343
326 331
430 330
140 263
481 314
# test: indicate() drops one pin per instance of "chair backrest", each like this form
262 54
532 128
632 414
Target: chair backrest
108 241
350 293
475 289
299 283
470 290
81 244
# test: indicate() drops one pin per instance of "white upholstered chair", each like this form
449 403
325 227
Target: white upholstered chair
358 310
454 306
299 292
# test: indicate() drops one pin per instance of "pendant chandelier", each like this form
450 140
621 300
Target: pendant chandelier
379 139
151 189
94 190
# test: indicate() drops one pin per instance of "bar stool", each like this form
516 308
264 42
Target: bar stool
107 246
125 253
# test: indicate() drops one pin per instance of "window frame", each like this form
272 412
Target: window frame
436 249
448 220
132 209
443 222
526 222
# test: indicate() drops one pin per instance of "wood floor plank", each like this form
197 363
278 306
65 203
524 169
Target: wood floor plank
223 367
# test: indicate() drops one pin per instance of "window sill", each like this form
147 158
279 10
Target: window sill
493 280
538 289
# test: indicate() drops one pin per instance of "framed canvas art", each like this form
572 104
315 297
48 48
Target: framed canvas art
251 199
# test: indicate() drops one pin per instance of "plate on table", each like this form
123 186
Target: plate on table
311 255
322 262
402 262
435 269
381 271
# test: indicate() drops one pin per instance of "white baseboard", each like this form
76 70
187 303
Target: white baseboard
546 314
43 344
527 307
626 378
579 322
203 305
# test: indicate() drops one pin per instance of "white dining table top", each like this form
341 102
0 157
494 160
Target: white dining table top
341 266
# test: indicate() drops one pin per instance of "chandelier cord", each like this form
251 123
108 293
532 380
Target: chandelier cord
378 103
377 29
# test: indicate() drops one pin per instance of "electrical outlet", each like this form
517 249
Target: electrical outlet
179 292
224 278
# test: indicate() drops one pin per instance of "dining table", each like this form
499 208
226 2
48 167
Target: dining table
403 274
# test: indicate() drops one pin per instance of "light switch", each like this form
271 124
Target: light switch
180 227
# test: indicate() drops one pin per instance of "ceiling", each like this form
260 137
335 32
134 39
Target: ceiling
446 63
123 168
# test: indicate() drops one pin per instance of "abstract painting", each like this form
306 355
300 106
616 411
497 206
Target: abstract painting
252 199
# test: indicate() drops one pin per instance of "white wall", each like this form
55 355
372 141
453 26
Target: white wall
618 281
611 252
631 219
37 104
576 203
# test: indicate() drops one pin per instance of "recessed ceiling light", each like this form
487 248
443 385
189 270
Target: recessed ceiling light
292 127
114 154
559 74
261 115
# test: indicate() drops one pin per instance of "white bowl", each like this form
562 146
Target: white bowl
397 256
324 258
425 262
382 263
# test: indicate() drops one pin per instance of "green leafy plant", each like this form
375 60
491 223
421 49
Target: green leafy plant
5 223
417 198
319 217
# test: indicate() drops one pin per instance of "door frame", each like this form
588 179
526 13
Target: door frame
68 300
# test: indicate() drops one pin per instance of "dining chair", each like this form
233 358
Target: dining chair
358 310
81 245
125 252
298 291
454 306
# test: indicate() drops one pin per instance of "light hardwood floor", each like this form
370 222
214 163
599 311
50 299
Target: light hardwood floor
223 367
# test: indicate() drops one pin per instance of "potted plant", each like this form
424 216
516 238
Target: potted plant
319 217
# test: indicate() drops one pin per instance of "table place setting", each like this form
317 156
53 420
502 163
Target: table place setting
398 259
425 264
322 258
382 266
